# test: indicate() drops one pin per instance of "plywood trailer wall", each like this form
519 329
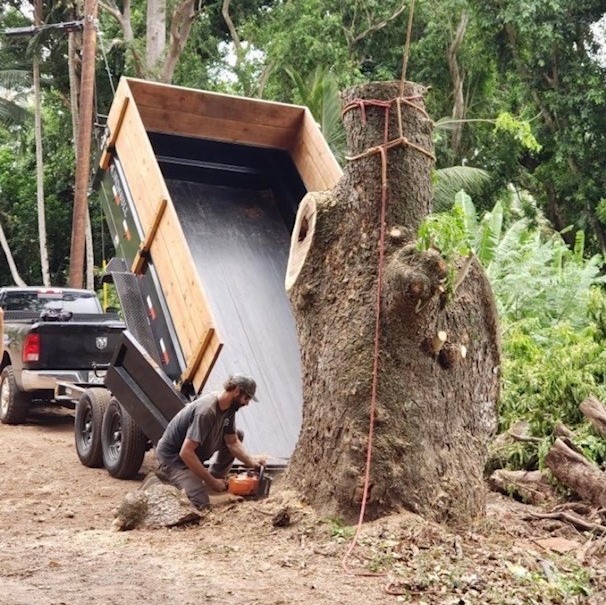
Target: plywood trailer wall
142 107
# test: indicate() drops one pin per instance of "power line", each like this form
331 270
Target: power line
31 30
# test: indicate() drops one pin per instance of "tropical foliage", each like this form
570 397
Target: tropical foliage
552 308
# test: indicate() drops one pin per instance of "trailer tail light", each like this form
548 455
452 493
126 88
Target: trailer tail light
31 348
164 352
150 309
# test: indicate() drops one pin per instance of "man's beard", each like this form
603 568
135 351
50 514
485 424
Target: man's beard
238 403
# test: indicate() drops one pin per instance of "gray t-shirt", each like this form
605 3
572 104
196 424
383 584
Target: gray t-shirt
201 421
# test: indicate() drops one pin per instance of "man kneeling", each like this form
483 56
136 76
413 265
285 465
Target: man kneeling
201 429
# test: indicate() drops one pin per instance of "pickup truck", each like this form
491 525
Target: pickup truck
54 339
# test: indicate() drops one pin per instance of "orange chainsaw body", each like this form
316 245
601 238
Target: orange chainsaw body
251 483
243 484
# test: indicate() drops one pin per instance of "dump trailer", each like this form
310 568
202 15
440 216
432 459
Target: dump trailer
200 192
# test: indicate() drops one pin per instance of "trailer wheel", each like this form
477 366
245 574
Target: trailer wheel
14 404
124 443
87 426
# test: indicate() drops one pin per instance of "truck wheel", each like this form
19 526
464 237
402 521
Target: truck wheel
124 443
14 404
87 426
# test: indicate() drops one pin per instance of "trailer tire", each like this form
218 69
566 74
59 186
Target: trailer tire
124 443
14 404
90 410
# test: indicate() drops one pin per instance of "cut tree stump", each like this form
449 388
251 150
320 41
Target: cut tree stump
433 385
583 477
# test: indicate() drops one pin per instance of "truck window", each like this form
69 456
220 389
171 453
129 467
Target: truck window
75 302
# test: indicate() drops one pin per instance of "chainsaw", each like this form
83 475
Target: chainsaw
250 484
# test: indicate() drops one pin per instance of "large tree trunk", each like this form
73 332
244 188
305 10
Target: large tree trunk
434 406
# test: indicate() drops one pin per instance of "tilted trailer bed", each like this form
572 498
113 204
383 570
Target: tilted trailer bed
200 192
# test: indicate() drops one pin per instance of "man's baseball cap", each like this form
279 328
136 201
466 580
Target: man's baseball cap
246 383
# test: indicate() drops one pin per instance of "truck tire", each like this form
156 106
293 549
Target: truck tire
124 443
14 404
90 410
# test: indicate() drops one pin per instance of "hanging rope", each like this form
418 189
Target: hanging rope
107 69
382 149
407 46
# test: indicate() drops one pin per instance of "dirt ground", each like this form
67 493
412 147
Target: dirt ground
57 546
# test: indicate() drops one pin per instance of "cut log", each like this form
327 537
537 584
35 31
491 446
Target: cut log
561 430
595 412
154 505
530 487
583 477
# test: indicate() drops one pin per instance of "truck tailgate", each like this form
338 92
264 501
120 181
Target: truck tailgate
75 345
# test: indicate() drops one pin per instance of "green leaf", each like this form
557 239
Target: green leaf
470 218
489 234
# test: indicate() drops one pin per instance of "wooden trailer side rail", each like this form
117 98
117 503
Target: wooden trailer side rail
163 238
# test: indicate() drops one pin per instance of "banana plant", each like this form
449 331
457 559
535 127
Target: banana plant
460 232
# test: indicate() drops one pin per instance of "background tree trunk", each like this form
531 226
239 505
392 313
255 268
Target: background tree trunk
459 108
10 260
435 407
155 34
39 159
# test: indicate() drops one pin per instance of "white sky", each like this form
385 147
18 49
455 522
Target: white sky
599 32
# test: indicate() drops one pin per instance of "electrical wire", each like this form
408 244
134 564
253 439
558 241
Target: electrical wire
107 69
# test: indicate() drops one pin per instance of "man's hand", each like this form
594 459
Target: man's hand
260 460
217 485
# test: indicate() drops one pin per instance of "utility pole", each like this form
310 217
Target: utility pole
87 84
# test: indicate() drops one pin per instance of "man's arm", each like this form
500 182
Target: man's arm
237 449
191 460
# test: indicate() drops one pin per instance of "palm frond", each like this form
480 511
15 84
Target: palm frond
320 94
12 113
451 180
15 79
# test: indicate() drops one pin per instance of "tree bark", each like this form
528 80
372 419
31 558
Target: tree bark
183 17
595 412
39 159
154 505
576 472
458 78
433 413
9 258
156 34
